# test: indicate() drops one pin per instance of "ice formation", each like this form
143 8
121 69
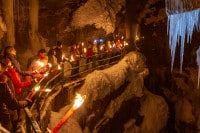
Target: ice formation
180 29
198 63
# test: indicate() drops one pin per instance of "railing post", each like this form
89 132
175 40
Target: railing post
62 70
28 125
31 122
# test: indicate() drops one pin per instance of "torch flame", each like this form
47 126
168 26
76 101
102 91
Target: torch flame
85 50
78 101
82 43
63 56
59 67
101 48
47 90
72 58
46 74
137 38
125 43
50 65
41 64
37 88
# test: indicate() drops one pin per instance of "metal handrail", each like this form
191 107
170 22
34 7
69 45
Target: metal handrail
31 120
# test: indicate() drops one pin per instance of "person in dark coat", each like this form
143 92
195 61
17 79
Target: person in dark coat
8 101
59 52
52 58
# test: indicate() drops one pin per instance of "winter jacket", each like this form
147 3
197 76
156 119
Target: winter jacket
15 78
7 101
59 54
89 52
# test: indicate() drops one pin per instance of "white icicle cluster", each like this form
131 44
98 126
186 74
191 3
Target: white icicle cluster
180 29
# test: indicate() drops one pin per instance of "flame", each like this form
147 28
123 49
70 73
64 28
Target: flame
82 43
114 45
46 74
137 38
37 88
85 50
101 48
41 64
50 65
59 67
72 58
47 90
63 56
125 43
78 101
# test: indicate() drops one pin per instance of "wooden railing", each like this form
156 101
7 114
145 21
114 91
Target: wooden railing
59 78
3 130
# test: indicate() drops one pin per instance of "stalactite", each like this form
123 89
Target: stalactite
34 10
180 29
198 63
9 20
182 20
33 33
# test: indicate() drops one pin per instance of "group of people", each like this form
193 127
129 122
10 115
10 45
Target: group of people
95 48
12 85
14 81
96 53
10 89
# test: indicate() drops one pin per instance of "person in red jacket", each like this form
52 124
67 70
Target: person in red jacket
12 73
89 54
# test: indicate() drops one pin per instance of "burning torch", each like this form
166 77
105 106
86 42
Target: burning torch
32 94
77 103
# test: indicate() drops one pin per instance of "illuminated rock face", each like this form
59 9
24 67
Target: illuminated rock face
107 92
98 13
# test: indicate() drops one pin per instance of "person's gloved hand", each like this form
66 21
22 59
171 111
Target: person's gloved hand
29 102
34 72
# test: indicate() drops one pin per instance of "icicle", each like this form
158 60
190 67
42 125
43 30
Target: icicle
180 29
198 63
